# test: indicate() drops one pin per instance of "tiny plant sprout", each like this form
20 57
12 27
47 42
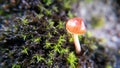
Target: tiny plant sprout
76 27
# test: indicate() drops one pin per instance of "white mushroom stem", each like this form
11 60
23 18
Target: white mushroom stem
77 43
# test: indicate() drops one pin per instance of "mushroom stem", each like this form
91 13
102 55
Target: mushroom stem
77 43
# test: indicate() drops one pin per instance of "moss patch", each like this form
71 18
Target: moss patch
35 36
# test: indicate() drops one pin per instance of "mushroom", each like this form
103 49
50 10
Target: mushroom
76 27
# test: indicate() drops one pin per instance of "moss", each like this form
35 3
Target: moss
97 22
25 50
88 1
16 66
37 37
38 58
72 61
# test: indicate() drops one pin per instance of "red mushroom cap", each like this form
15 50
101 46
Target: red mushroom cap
75 26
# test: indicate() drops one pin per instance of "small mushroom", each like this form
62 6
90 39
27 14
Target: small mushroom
76 27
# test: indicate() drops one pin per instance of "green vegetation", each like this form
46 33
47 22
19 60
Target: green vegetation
97 22
72 61
25 21
36 37
108 66
16 66
51 56
38 57
25 50
70 14
88 1
37 40
47 2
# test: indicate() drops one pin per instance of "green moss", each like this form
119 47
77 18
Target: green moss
51 56
71 40
67 3
55 9
72 60
70 14
48 2
25 50
38 58
108 66
16 66
97 22
89 34
88 1
1 12
60 25
25 21
47 44
39 38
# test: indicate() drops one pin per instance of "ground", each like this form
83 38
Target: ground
33 34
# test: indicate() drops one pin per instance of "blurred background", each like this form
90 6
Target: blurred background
102 18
